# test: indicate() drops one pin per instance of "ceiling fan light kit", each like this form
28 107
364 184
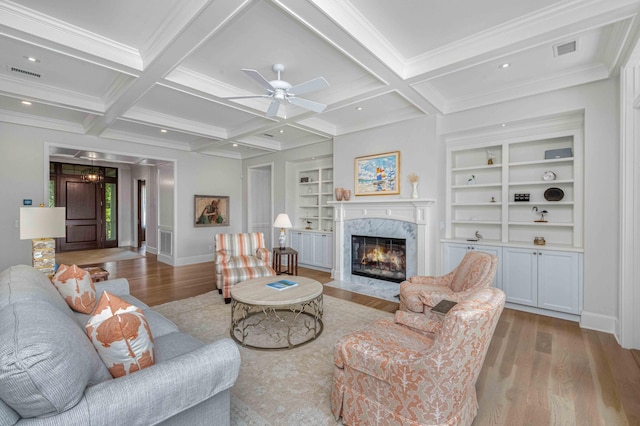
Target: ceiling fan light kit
279 90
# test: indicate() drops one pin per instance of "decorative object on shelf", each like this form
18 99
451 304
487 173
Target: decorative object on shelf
552 154
553 194
211 210
471 180
308 227
339 194
304 180
493 199
346 194
377 174
413 180
539 241
41 225
478 235
542 213
282 222
549 175
521 197
93 174
490 157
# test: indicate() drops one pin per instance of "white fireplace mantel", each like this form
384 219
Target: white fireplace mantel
414 210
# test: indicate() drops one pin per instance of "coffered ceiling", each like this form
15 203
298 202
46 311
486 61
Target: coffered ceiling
158 72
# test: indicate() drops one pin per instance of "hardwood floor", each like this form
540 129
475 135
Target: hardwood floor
538 371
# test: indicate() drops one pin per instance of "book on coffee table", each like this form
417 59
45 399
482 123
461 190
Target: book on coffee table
282 284
443 307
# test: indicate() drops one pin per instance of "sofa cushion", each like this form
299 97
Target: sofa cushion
158 324
76 287
46 361
122 336
24 283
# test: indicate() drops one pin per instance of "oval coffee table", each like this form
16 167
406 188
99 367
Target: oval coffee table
265 318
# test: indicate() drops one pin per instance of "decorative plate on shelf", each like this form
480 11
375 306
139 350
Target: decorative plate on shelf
549 175
553 194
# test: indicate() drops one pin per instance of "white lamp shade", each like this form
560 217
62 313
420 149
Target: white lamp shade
42 222
282 221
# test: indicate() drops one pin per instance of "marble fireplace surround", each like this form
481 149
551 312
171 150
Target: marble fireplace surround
396 218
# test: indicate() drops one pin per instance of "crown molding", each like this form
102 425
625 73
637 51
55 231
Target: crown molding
42 122
42 93
157 119
54 30
574 77
143 140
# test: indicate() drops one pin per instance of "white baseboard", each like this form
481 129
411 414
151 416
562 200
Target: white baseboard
151 250
599 322
193 260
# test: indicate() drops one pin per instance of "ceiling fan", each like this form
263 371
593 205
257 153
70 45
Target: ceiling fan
279 90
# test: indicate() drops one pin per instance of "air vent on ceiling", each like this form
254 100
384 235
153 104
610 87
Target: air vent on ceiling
267 134
25 72
565 48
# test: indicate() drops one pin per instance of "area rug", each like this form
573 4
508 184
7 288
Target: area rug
285 387
87 257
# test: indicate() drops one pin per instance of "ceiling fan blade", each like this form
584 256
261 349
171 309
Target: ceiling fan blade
309 86
248 97
273 108
307 104
255 75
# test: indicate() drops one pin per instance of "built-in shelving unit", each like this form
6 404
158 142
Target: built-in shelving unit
482 196
315 189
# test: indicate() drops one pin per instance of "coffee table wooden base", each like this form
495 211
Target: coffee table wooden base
274 327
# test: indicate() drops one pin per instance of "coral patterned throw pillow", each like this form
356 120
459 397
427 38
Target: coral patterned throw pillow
76 287
121 334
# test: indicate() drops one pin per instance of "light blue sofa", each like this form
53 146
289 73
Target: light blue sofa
50 373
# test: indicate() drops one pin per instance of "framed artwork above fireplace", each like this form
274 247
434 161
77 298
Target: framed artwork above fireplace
377 174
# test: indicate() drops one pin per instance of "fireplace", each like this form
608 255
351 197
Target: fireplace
379 257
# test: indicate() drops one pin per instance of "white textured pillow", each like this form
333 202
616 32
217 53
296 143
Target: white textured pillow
121 334
76 287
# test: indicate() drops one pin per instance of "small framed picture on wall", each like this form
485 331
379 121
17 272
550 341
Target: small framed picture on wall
211 210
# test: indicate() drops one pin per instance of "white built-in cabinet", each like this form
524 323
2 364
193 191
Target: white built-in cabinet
544 279
488 171
315 248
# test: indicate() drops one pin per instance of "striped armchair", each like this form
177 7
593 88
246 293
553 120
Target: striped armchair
240 257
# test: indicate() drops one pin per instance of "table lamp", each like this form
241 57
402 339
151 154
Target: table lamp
41 225
282 222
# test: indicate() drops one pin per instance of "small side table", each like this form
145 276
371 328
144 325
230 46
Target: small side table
97 273
292 261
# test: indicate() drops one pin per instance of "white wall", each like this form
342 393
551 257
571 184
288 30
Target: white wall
600 102
25 169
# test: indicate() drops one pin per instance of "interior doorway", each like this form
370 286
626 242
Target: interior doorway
142 212
260 201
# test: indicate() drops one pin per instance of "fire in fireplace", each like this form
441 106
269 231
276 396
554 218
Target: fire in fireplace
379 257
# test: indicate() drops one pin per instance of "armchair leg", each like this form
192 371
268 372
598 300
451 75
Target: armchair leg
219 291
227 300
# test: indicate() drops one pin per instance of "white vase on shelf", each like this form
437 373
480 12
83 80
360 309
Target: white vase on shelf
414 190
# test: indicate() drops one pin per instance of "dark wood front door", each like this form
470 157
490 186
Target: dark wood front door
84 214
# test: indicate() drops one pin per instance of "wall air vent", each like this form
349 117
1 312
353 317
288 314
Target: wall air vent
565 48
25 72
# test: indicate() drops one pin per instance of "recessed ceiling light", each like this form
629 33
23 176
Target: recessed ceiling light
163 130
26 103
505 65
31 59
504 125
234 144
281 130
358 108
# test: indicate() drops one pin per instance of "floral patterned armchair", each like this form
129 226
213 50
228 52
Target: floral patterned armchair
391 374
476 270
